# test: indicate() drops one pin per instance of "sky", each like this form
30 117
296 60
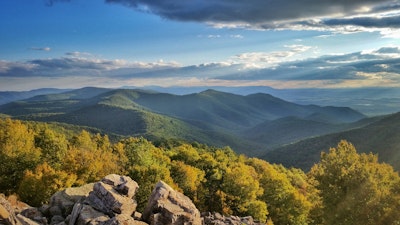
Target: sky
282 44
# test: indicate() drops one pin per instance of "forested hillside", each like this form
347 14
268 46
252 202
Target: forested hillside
216 118
38 159
381 136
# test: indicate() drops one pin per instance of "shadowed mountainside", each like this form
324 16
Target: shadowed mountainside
381 136
249 124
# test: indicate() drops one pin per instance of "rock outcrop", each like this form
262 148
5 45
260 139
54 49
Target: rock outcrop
169 207
111 201
62 202
114 195
218 219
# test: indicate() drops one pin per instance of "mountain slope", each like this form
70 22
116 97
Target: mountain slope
235 111
289 129
211 117
381 136
11 96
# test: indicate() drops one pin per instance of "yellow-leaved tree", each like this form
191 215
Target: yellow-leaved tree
356 188
39 185
89 160
17 153
286 203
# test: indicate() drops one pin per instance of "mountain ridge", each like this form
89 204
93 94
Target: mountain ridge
210 116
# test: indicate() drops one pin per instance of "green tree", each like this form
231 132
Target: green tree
53 146
185 153
147 165
355 188
147 177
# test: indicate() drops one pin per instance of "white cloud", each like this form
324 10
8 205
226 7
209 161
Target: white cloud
238 36
269 59
46 49
79 64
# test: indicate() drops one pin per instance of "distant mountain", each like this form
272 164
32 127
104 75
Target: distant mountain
10 96
381 136
83 93
246 123
287 130
370 101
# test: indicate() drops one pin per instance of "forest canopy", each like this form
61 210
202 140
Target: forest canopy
345 187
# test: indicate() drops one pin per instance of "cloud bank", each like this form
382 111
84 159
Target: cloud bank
375 68
275 14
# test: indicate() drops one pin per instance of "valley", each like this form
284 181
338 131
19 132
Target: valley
258 124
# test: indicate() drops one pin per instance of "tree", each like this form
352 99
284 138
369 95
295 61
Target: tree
17 153
286 203
53 146
39 185
190 179
355 188
240 189
89 161
147 165
185 153
147 177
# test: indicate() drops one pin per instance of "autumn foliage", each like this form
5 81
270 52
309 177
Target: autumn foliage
344 188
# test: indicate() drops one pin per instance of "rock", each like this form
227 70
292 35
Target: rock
247 220
169 207
61 223
122 184
111 201
34 214
26 221
114 195
75 213
89 216
44 209
218 219
7 214
62 202
56 210
137 215
56 220
83 214
123 219
17 205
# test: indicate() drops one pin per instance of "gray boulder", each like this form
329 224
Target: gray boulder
86 215
62 202
123 219
34 214
114 195
218 219
169 207
26 221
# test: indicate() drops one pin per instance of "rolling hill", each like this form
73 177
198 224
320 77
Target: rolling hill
381 136
10 96
250 124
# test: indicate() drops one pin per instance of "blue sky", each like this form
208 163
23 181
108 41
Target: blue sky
277 43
